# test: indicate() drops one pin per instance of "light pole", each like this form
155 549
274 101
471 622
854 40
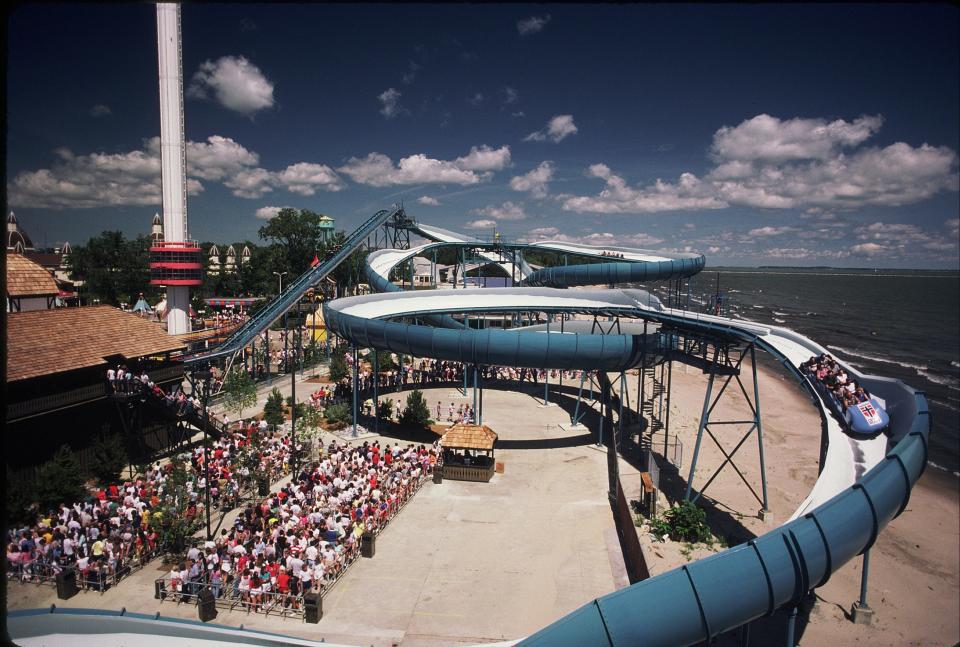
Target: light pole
280 276
204 376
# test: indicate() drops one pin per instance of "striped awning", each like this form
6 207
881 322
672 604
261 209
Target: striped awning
231 301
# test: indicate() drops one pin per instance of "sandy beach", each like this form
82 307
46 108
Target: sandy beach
914 572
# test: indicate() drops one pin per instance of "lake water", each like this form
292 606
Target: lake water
894 323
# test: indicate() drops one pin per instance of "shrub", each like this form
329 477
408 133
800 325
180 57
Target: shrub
338 413
241 392
417 412
386 408
685 522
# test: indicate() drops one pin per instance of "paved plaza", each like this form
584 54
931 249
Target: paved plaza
463 562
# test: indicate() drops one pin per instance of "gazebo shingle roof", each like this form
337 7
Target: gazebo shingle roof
464 436
41 342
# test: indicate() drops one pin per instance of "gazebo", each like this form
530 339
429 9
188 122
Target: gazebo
468 452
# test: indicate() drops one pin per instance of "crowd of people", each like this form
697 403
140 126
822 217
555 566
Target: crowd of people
612 254
302 537
825 370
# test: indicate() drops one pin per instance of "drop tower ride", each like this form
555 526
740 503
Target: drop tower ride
175 262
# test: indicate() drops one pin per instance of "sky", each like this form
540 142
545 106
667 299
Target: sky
754 134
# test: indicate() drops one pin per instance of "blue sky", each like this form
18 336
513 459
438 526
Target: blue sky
798 135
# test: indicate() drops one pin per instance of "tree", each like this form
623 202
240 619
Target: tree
297 232
109 458
113 268
338 365
170 518
241 392
273 409
60 481
338 413
417 412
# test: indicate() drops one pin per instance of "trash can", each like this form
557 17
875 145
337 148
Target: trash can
160 589
263 486
66 584
206 605
438 475
312 607
368 544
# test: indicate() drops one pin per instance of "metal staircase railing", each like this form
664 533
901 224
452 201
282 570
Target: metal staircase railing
286 299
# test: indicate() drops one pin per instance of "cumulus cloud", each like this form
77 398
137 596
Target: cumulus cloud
535 181
305 178
376 169
764 232
868 249
411 74
688 193
100 110
428 200
556 130
266 213
807 164
596 239
390 103
476 99
236 83
509 95
133 178
506 211
766 138
532 25
481 224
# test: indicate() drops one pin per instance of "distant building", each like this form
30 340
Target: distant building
56 262
213 258
156 229
29 286
326 228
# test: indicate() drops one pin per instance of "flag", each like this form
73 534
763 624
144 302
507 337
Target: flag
315 261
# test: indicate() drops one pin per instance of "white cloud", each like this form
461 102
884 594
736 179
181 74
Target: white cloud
481 224
793 164
953 226
236 83
484 158
250 183
768 139
688 194
535 181
518 114
868 249
376 169
305 178
100 110
532 25
597 239
765 232
556 130
390 103
506 211
510 95
266 213
411 73
428 200
133 178
477 99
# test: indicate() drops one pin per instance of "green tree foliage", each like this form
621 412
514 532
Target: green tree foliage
273 410
60 481
417 412
385 361
338 365
338 413
113 269
170 518
298 234
109 458
21 500
241 392
386 408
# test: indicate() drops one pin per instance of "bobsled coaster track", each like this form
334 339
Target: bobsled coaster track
865 478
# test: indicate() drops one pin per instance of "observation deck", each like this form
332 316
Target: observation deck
176 263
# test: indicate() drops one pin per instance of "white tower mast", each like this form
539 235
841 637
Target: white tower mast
173 155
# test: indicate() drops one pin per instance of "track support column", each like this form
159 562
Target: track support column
704 416
356 368
861 613
765 510
376 391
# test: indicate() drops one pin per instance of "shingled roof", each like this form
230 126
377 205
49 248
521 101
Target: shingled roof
41 342
28 279
463 436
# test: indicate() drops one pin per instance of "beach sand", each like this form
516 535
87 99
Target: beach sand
914 566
